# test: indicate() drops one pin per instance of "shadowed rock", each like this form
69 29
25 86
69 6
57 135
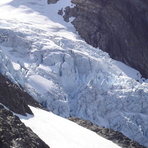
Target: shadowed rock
16 99
117 27
51 1
13 133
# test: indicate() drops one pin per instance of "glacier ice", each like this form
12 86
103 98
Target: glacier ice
71 78
70 81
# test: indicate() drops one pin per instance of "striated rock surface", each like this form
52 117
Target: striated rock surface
13 133
109 134
117 27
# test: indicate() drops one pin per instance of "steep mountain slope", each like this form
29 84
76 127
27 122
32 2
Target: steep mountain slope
13 133
15 98
44 55
62 133
117 27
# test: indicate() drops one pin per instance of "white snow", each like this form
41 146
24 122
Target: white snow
131 72
52 9
41 84
58 132
43 54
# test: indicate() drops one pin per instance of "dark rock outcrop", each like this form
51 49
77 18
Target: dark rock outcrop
117 27
13 133
51 1
109 134
15 98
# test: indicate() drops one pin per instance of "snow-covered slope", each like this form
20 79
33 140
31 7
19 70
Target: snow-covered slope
58 132
47 57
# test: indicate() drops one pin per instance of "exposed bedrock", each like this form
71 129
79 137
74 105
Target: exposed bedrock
117 27
15 98
13 133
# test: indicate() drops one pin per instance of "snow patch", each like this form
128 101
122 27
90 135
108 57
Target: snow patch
58 132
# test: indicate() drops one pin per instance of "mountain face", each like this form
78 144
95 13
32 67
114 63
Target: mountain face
64 73
117 27
14 133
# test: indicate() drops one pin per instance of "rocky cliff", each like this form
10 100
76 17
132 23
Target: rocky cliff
15 98
13 133
117 27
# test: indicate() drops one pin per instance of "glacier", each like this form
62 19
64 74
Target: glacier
67 76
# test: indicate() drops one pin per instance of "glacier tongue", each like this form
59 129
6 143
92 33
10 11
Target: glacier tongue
70 77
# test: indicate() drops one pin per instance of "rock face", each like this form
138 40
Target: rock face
109 134
117 27
13 133
16 99
51 1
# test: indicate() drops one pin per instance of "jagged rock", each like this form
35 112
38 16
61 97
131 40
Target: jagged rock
15 98
13 133
51 1
117 27
109 134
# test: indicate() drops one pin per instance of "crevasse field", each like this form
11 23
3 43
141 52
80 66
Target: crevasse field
46 56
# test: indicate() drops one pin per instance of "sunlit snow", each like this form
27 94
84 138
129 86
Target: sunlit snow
58 132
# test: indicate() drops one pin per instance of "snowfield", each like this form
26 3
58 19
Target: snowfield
58 132
44 54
